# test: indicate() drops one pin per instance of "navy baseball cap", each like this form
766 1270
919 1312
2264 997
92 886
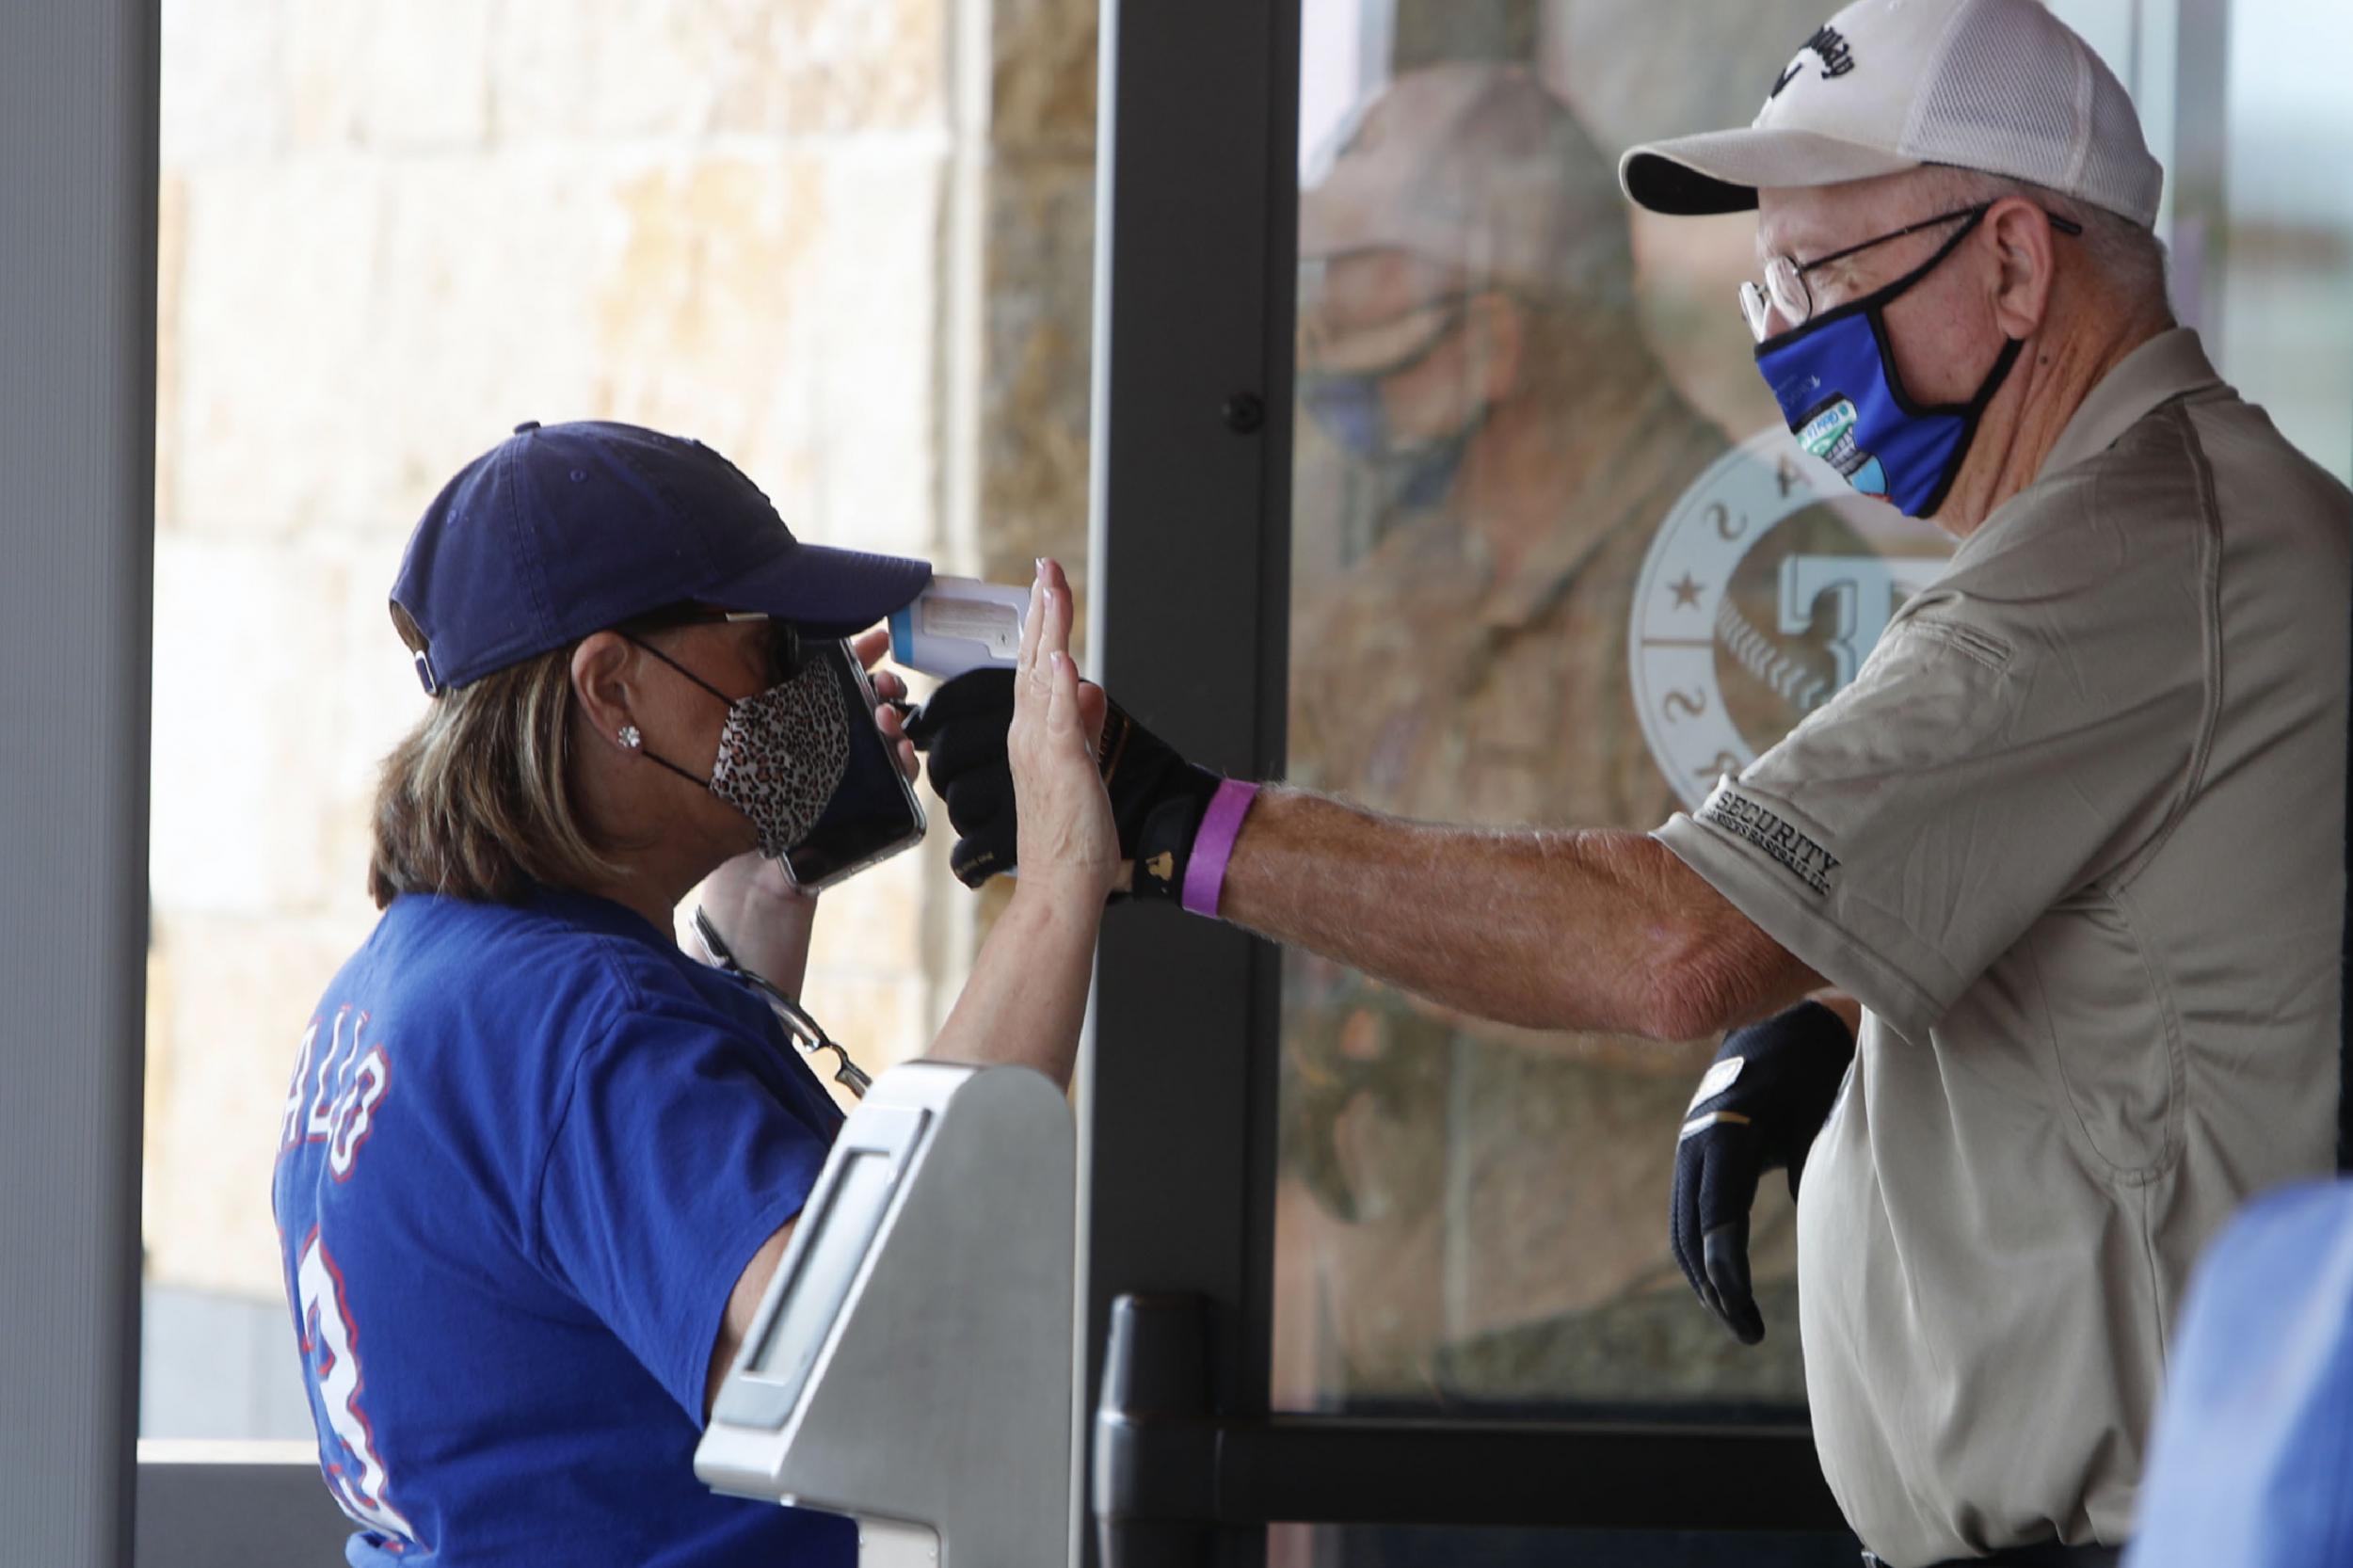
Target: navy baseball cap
562 530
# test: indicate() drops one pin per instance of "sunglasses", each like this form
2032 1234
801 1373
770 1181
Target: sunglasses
783 640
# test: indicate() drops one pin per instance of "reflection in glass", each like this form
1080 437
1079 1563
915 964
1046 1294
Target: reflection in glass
1534 584
1557 561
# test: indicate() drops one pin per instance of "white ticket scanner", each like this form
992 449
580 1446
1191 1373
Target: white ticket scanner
911 1362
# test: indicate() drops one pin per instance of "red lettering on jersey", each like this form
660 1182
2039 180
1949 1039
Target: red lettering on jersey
354 1112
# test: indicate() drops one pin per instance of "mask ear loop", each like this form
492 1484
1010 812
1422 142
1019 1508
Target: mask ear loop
681 669
1969 416
1969 413
653 756
1873 306
638 744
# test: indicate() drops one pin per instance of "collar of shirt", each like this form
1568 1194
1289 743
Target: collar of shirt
599 914
2166 367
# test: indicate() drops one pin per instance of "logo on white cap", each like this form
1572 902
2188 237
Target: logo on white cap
1828 45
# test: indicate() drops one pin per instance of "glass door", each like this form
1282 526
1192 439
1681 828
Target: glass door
1381 516
1555 561
1430 473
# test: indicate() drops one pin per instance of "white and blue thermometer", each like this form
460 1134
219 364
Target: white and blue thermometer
958 624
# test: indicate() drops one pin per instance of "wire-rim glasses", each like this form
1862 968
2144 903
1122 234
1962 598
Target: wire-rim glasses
1784 288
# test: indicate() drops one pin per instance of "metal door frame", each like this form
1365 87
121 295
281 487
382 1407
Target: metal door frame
1195 209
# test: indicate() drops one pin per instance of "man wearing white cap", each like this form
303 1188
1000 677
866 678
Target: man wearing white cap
2024 837
2072 836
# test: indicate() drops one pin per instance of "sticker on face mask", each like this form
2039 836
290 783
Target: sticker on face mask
1830 435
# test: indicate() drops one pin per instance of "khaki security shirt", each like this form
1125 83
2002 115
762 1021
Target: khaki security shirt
2073 838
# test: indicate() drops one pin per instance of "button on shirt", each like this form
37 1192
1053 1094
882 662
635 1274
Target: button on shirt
2073 838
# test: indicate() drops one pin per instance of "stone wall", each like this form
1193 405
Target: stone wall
847 242
1040 265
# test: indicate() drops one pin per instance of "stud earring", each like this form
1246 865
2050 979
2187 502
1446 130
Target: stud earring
631 738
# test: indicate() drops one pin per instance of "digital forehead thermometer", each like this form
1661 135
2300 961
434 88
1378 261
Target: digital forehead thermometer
959 624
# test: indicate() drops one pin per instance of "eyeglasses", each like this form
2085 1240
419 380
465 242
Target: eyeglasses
1784 288
783 641
1376 351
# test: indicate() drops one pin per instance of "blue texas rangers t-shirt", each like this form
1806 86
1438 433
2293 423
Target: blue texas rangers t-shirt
526 1152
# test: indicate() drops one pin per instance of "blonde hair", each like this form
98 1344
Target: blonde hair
475 802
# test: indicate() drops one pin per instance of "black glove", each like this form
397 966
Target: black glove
1758 1107
1157 798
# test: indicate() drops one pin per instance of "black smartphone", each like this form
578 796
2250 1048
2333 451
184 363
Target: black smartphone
874 813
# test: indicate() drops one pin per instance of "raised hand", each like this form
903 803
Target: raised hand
1066 838
1158 797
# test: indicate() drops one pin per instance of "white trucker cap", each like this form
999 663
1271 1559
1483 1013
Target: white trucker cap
1474 164
1998 86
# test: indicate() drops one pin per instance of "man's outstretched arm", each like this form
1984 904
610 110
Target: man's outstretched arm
1547 928
1600 931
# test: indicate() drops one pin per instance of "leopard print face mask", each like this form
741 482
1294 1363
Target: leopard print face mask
782 754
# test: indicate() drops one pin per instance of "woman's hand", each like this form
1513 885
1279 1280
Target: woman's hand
1027 996
1067 840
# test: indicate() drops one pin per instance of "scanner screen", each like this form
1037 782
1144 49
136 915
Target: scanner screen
813 1299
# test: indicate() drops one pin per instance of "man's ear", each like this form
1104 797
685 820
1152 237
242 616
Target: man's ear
2026 254
602 668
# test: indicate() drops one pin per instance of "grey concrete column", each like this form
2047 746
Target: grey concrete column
78 391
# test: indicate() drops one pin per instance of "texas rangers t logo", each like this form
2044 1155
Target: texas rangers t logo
1769 578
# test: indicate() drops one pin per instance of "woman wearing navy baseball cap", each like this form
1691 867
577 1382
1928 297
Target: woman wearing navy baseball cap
536 1164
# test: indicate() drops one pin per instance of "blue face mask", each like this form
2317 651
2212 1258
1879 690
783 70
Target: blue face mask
1349 409
1835 378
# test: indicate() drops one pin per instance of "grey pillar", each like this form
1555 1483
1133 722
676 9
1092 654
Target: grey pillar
78 391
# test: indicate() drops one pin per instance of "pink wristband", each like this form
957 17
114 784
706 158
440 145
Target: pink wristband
1213 845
